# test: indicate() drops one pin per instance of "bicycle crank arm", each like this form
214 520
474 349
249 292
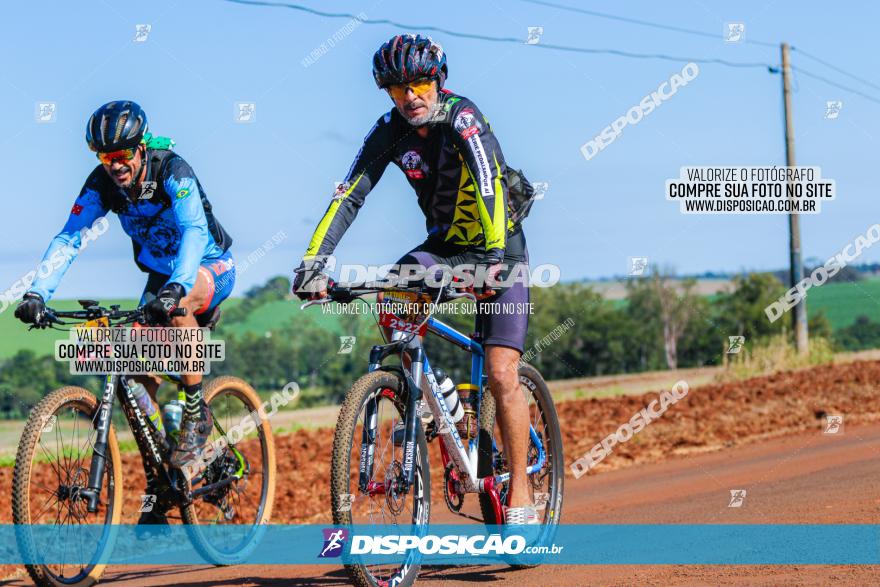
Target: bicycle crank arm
213 486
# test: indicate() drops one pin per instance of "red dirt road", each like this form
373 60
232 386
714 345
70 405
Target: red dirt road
805 478
763 435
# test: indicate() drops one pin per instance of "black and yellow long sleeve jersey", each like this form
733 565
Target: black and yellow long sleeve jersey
458 173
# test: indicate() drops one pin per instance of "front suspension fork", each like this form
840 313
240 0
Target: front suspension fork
92 493
412 420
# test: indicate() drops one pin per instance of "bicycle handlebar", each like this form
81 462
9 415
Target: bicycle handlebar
113 313
346 294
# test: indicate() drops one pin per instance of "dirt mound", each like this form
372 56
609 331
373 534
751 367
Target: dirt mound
712 417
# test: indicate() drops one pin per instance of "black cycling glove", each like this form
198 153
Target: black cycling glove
159 310
31 308
309 279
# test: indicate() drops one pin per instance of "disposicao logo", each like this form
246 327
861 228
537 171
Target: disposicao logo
334 542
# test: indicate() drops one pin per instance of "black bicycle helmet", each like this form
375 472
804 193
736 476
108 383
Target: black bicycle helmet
116 125
406 58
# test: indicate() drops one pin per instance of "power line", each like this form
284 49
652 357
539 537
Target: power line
835 84
640 22
622 53
584 50
834 67
702 34
513 40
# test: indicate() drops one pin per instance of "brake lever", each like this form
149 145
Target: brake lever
45 320
465 294
326 300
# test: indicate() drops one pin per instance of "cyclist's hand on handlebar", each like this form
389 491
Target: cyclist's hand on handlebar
481 286
310 283
31 309
493 273
165 305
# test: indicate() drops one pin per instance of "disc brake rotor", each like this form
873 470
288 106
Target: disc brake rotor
393 498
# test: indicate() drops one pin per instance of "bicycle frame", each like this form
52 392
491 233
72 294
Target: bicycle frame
145 433
153 448
464 458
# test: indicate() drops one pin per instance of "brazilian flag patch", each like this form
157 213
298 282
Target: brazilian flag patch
182 193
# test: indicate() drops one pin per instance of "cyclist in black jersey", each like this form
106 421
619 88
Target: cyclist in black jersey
446 148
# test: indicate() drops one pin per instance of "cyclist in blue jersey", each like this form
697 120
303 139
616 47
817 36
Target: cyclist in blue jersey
177 241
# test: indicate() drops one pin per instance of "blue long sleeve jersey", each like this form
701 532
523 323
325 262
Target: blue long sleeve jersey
171 229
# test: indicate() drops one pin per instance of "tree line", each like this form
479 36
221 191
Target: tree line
663 323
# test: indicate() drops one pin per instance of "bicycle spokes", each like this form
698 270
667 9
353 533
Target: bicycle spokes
383 497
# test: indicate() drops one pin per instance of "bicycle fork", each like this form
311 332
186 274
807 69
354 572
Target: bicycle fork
412 420
92 493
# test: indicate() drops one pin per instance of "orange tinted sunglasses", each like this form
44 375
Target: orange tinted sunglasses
419 87
124 154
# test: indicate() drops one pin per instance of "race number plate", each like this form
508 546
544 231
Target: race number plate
99 323
405 311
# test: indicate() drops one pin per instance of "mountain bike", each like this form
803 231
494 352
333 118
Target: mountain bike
68 468
380 472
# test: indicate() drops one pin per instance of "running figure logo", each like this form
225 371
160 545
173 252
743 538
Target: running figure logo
734 32
737 498
833 424
46 111
535 33
637 266
148 188
832 109
346 344
147 502
334 542
735 344
540 188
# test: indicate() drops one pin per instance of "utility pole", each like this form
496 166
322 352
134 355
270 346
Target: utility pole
796 271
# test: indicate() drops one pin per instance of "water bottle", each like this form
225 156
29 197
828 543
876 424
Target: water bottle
145 403
467 426
172 413
450 396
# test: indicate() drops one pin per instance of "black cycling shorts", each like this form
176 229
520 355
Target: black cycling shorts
503 319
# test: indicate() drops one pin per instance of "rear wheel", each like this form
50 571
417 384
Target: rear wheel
51 470
545 484
378 397
226 524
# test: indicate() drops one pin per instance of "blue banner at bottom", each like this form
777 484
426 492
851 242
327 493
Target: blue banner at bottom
444 544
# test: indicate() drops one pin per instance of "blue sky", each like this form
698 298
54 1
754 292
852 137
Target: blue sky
278 173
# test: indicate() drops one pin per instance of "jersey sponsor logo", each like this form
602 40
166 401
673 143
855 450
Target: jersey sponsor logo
466 123
483 171
341 189
182 193
221 266
76 210
413 165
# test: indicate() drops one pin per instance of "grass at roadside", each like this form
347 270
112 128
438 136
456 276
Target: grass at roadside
776 354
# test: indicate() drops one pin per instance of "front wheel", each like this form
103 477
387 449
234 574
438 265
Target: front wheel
373 407
226 524
51 471
546 483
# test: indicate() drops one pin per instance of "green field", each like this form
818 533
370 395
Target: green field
16 335
265 318
841 302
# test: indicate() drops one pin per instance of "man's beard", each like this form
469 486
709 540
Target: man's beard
135 175
428 117
133 181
